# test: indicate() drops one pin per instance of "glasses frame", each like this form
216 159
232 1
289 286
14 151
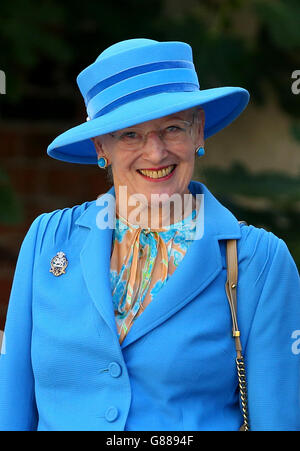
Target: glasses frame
158 132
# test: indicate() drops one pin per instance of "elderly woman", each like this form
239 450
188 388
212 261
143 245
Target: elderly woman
126 312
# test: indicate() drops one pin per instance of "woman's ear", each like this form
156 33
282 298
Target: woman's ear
98 146
200 121
198 127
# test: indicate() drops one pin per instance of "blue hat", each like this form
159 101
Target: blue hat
139 80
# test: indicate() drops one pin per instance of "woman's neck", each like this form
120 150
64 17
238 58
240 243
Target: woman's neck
156 215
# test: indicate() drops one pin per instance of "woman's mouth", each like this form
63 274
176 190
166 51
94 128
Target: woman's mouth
157 175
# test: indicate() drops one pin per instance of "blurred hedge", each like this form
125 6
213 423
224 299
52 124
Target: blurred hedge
11 211
247 43
270 200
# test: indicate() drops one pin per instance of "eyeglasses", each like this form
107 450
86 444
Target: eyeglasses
176 132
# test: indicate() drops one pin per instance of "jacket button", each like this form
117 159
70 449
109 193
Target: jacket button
114 369
111 414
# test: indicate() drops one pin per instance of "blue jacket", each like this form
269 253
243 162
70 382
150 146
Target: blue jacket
62 367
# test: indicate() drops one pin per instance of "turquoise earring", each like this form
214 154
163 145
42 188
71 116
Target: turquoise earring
102 162
200 151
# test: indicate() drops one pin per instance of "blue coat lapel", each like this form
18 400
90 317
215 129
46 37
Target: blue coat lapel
95 263
189 279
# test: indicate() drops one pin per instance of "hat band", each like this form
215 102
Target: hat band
134 71
170 87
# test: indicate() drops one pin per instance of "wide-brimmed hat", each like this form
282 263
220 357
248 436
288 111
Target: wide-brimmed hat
138 80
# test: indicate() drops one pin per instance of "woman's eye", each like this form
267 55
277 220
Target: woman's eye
173 128
129 135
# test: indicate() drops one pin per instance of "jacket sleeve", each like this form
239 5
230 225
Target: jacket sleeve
272 352
17 400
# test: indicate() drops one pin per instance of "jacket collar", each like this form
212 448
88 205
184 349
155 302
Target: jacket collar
217 223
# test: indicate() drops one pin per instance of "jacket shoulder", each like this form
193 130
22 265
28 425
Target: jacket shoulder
256 241
58 226
257 248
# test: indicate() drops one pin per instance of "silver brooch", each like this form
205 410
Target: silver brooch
59 264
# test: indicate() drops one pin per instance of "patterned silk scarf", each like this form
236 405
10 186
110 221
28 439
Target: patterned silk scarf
141 263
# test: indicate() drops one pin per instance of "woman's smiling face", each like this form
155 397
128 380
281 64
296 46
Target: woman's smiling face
155 157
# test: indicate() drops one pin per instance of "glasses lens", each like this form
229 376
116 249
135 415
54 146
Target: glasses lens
175 132
129 139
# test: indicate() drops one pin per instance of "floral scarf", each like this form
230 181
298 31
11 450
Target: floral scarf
142 260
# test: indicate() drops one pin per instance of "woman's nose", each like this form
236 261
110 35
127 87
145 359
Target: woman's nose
154 148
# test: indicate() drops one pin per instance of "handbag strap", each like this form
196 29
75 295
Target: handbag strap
231 288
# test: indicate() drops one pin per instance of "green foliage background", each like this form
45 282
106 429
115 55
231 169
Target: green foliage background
250 43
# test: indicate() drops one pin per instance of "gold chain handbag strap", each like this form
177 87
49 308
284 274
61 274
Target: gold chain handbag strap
231 287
